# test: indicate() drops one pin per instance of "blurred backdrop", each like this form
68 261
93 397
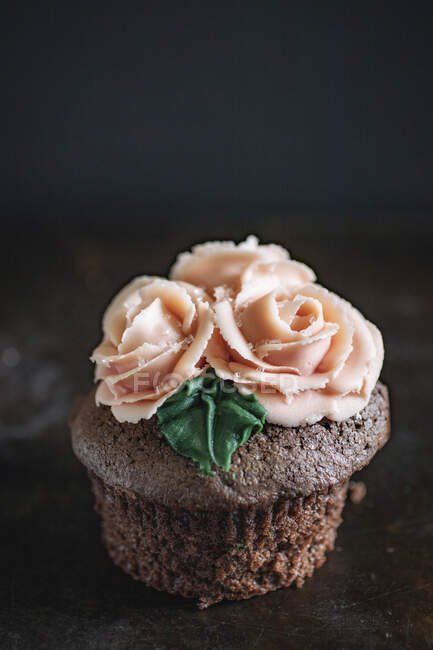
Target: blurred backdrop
156 114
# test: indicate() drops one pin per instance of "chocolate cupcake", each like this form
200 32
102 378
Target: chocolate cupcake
235 401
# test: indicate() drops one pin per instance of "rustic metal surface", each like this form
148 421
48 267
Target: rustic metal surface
58 589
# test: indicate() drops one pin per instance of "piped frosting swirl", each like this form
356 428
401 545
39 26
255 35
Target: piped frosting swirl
254 315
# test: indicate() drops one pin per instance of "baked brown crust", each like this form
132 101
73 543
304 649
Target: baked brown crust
278 463
214 554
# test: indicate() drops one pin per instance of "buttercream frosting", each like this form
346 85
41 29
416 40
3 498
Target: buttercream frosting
254 315
221 262
155 334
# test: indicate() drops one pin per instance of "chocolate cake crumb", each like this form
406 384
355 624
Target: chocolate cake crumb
217 554
213 537
278 462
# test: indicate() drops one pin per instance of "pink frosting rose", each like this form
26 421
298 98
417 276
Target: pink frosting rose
155 335
222 263
305 352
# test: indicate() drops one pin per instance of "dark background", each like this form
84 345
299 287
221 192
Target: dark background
233 111
130 132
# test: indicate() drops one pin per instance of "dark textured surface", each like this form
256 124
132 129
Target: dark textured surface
58 587
211 555
276 463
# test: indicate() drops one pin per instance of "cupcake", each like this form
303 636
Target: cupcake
234 401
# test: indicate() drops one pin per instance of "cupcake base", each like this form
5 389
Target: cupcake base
266 524
214 554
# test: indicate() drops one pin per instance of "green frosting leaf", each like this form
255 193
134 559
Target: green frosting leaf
208 419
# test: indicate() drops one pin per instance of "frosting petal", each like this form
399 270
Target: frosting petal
259 278
225 319
155 335
303 351
222 263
